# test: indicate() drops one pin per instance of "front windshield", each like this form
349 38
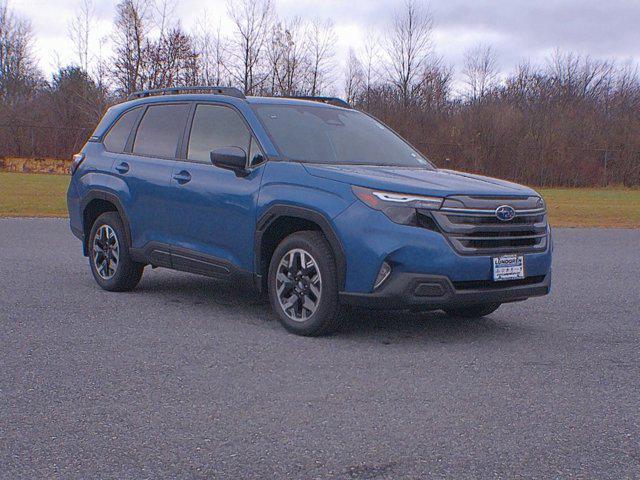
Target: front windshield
320 134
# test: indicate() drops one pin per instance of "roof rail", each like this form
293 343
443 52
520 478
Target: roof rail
230 91
338 102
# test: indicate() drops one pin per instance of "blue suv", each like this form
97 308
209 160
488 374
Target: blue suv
313 202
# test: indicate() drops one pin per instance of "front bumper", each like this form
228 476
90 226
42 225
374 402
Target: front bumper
368 238
432 292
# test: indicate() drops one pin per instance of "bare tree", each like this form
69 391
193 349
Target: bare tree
287 58
435 87
18 70
170 56
129 40
480 71
161 13
354 77
627 87
19 79
371 64
79 29
211 48
170 60
321 39
102 72
580 76
251 20
408 45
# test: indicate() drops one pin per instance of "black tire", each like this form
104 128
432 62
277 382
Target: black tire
473 311
325 318
126 273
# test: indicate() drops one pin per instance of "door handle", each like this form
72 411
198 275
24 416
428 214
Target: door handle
122 167
182 177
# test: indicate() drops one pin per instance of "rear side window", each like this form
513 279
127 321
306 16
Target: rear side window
159 130
116 139
213 127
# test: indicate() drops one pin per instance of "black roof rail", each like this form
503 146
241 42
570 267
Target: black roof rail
230 91
338 102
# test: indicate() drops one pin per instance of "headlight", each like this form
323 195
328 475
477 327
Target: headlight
399 207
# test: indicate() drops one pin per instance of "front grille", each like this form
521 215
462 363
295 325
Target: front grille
493 220
472 227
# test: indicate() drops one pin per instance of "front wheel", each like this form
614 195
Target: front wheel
303 287
473 311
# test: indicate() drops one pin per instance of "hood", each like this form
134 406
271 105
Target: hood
418 181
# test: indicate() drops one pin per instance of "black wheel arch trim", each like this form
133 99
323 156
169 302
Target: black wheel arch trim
283 210
100 194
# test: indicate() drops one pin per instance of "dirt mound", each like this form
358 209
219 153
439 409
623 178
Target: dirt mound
35 165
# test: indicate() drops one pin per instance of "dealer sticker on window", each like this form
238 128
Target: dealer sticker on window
508 267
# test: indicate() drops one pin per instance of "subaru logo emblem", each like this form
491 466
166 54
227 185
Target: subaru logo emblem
505 213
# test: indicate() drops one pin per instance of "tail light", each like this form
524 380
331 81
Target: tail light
77 160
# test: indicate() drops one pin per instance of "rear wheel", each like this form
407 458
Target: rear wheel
109 258
473 311
303 289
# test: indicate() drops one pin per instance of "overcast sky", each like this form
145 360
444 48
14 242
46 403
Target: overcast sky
516 29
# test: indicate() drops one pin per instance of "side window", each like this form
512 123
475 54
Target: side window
213 127
256 157
160 129
116 139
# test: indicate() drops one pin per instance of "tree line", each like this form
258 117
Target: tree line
573 121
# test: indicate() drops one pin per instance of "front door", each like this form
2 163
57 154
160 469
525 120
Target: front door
213 211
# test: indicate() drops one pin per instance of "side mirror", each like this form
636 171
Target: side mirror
231 158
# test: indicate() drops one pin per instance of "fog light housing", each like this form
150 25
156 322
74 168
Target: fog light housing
383 274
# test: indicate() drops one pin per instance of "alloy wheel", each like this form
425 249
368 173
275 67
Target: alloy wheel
106 252
298 284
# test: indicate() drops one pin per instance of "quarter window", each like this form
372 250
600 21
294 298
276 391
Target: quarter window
256 157
214 127
159 130
116 139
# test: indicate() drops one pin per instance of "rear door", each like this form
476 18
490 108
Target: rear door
214 208
147 168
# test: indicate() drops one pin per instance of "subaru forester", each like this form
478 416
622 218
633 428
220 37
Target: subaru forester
308 200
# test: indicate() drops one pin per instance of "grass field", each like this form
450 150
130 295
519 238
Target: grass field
593 207
33 195
41 195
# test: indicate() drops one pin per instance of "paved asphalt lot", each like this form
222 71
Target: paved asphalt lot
186 378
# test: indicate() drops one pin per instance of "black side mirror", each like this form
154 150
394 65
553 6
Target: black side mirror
231 158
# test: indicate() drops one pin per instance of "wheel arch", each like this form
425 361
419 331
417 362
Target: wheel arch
280 221
95 203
